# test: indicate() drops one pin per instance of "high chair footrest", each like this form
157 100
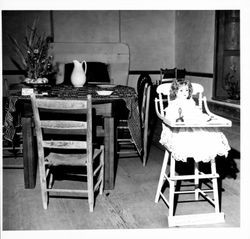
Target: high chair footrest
196 219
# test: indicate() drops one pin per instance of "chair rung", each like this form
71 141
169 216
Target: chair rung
127 152
193 191
123 120
164 198
12 148
97 169
124 140
97 184
122 127
76 174
203 194
67 190
188 177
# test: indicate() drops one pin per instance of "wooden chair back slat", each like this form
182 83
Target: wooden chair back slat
64 127
57 104
57 144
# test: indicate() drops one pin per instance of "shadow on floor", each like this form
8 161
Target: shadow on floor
227 167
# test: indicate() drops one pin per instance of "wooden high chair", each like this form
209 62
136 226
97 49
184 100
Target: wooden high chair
168 174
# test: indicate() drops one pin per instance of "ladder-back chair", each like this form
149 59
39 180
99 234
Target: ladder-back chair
65 138
169 175
125 143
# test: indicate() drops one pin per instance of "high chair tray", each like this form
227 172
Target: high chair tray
209 121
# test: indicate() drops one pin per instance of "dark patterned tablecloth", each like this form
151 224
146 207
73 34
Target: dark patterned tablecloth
125 93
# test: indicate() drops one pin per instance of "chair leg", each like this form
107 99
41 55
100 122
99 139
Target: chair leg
145 154
102 170
45 199
171 187
90 187
145 146
196 180
43 182
91 203
215 187
91 199
161 179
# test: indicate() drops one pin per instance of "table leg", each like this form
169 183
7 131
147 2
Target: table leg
109 171
29 158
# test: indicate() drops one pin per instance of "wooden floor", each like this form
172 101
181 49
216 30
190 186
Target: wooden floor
130 205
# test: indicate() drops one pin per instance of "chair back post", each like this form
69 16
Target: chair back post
89 145
38 128
148 94
147 108
142 80
146 130
198 89
89 129
89 148
163 90
143 105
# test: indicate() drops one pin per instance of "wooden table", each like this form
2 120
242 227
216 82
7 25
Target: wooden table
107 107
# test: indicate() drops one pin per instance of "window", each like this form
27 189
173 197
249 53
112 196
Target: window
227 56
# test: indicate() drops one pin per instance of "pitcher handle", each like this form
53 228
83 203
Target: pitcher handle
85 66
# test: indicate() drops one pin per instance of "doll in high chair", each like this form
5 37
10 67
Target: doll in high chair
183 141
182 107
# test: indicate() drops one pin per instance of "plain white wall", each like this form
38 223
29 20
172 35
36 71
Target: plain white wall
156 39
194 44
86 26
151 39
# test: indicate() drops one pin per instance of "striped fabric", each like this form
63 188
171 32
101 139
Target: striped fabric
12 119
134 123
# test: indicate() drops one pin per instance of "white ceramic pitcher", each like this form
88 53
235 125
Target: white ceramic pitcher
78 76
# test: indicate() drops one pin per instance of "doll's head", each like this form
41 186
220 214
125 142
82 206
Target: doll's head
181 89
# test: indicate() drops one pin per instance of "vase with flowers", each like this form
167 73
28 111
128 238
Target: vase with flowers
33 55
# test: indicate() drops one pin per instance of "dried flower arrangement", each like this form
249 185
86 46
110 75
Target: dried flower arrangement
33 55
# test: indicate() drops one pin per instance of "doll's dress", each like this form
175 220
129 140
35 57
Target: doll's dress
199 143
